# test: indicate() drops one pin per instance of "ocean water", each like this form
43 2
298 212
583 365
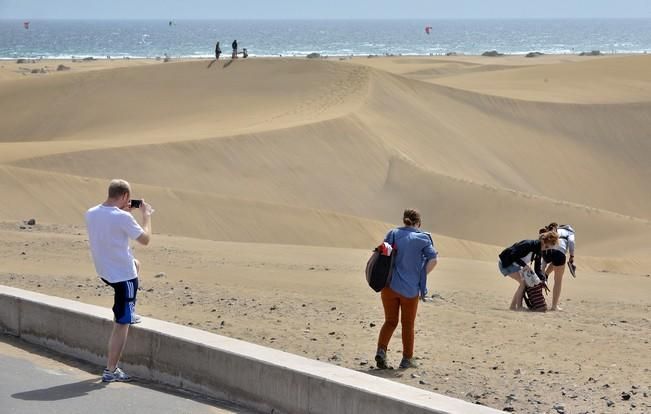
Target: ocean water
196 38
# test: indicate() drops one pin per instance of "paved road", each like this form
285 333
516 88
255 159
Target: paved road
35 381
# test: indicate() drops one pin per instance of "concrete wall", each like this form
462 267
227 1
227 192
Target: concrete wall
214 365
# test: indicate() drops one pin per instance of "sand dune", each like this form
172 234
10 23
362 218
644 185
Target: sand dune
61 198
203 216
526 159
273 178
542 148
611 80
157 103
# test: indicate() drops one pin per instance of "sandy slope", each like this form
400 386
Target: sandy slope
159 102
401 131
267 175
313 301
607 81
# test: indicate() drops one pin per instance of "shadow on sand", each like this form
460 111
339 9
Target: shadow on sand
389 373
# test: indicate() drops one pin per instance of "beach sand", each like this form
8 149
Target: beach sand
272 180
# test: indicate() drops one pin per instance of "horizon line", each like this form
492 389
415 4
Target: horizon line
331 18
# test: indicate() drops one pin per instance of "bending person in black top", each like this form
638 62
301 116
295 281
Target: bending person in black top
517 257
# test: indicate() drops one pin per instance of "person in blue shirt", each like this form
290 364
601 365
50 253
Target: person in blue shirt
415 259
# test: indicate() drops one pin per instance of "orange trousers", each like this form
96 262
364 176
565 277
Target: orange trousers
394 304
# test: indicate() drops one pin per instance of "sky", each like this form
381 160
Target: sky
321 9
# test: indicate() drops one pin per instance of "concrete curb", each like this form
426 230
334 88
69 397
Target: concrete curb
261 378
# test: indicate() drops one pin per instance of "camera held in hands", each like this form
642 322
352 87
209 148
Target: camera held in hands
135 203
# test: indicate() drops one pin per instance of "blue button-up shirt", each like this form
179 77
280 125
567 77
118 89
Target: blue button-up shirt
414 250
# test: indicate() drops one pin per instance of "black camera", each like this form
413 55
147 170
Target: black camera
135 203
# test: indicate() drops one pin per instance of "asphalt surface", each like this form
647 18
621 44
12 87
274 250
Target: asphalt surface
34 380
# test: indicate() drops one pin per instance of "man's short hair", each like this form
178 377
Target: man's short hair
118 188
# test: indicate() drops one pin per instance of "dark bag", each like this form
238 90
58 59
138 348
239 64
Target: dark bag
534 298
379 267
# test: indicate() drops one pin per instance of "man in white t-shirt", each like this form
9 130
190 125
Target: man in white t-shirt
110 227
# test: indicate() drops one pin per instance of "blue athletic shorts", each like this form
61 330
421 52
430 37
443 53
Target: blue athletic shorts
124 302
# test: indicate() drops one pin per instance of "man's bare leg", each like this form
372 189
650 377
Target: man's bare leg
116 345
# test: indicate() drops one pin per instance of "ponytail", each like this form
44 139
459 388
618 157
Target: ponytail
411 217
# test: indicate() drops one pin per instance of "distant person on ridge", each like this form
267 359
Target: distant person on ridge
110 225
517 257
556 258
218 51
415 258
234 49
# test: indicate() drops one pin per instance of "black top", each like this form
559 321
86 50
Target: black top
217 49
516 252
234 44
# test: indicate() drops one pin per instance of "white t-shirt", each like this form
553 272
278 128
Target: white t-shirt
109 231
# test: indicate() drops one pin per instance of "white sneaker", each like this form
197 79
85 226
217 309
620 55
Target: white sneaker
116 376
135 318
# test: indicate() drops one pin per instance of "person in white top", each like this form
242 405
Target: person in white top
556 258
110 226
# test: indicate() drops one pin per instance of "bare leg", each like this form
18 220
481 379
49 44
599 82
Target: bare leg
516 303
548 269
116 345
559 271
